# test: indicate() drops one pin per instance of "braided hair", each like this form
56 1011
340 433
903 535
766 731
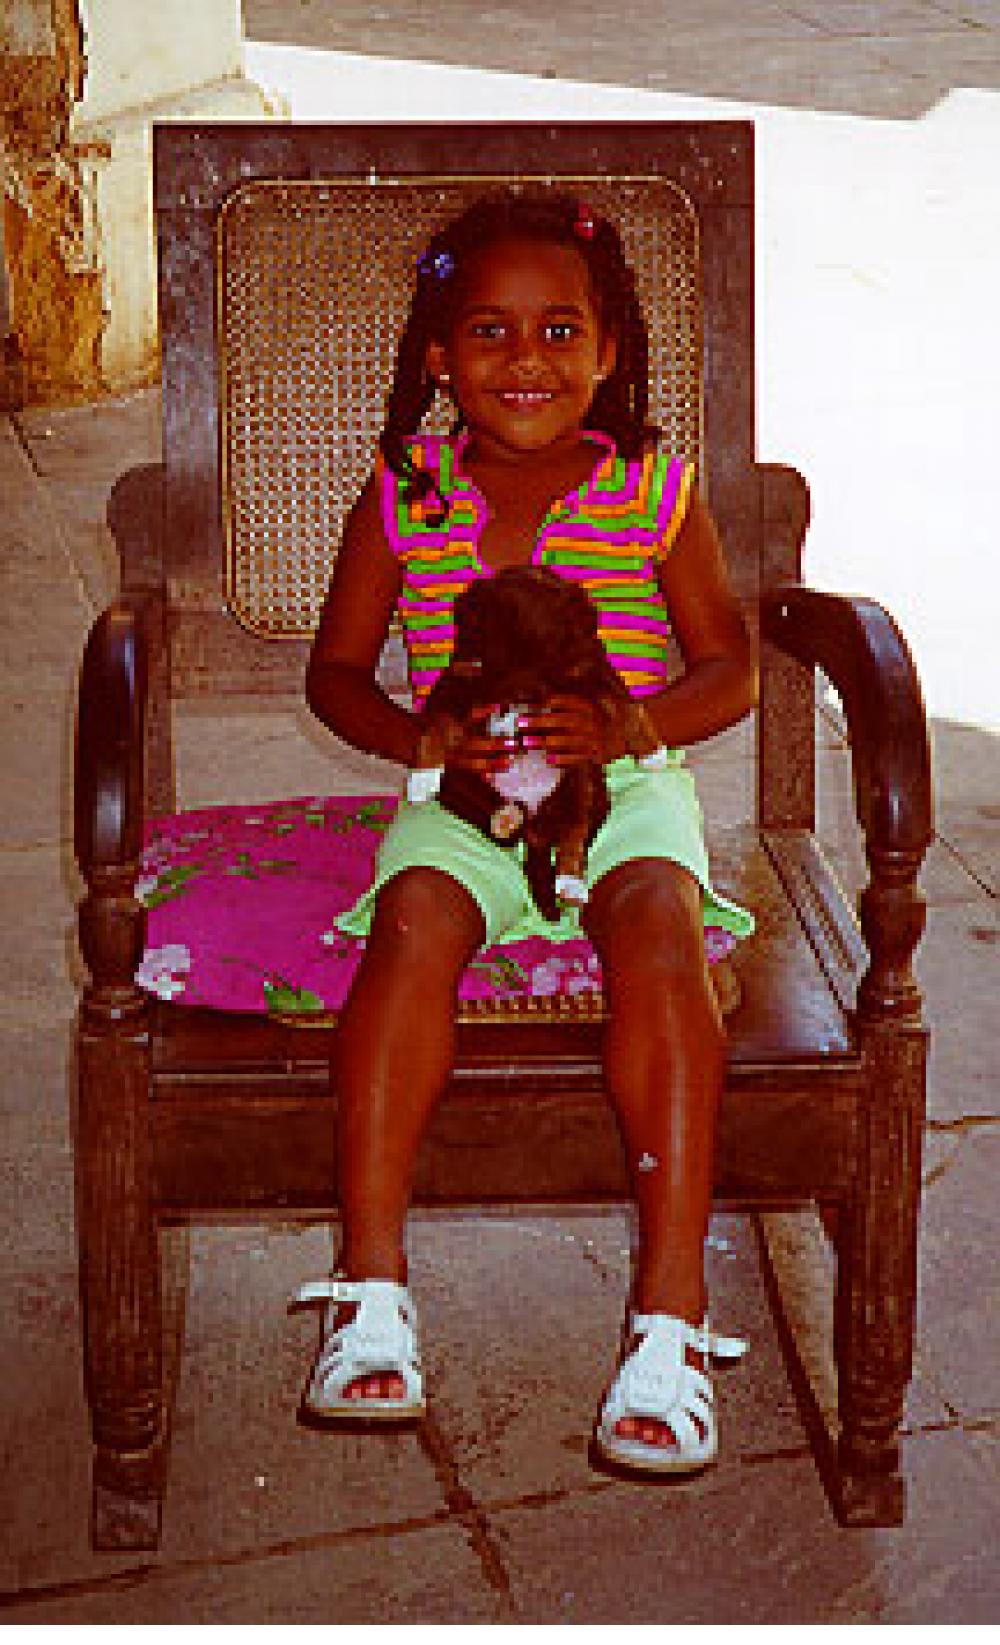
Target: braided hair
619 407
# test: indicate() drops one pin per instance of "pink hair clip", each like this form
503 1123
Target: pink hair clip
584 225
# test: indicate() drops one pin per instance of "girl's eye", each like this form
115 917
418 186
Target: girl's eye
495 331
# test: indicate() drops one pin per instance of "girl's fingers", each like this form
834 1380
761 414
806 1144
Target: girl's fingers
563 713
568 730
572 754
478 750
478 753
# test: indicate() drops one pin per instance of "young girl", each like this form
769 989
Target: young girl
525 314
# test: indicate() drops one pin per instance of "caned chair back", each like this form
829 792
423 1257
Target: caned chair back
315 279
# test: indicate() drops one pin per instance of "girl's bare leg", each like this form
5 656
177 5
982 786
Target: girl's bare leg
664 1065
393 1054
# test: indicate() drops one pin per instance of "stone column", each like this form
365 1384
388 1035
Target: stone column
81 84
52 288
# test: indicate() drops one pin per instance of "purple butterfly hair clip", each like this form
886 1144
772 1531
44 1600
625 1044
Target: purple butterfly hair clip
436 265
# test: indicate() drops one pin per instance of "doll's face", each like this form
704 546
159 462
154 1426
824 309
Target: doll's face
526 351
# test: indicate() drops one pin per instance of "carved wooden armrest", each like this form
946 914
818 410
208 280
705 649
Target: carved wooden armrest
108 807
861 651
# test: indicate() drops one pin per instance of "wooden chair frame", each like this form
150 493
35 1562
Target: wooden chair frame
185 1113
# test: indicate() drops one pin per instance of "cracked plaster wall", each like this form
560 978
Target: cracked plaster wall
53 311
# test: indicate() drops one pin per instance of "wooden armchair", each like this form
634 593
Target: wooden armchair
284 253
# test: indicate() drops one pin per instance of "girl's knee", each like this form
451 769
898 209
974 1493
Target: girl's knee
424 915
649 931
648 915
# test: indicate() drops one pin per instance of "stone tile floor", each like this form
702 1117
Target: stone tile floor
895 58
492 1515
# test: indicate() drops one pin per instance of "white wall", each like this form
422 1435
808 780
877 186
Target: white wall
141 51
148 60
878 339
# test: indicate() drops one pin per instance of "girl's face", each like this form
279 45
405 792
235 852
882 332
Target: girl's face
526 351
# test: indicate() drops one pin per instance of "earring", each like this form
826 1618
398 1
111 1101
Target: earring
444 378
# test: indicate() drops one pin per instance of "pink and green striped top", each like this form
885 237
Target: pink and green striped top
608 536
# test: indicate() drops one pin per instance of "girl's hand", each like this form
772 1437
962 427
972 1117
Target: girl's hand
573 731
468 746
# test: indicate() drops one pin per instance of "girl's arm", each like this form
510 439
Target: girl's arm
342 686
719 683
341 679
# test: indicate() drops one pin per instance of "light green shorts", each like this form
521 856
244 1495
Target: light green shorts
653 814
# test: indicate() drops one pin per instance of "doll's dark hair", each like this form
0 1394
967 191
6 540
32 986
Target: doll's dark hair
620 402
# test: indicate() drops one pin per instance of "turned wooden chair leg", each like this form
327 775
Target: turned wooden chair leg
120 1291
119 1260
877 1238
875 1316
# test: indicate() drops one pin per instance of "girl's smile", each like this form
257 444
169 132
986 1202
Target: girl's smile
525 399
526 350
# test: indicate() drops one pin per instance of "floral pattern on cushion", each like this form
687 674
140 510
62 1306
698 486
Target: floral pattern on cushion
241 901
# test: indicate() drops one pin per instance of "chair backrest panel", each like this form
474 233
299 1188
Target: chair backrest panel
315 280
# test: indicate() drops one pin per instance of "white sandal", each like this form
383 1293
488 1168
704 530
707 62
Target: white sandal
380 1340
656 1381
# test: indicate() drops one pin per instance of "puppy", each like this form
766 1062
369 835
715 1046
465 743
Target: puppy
522 637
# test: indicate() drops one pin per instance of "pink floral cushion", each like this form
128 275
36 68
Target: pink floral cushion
241 902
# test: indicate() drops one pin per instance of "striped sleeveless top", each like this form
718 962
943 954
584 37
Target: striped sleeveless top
608 536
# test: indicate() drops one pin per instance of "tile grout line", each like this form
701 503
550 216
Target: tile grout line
89 605
460 1508
828 714
983 884
962 1122
463 1506
155 1573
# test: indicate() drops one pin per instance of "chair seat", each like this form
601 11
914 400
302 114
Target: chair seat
242 900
